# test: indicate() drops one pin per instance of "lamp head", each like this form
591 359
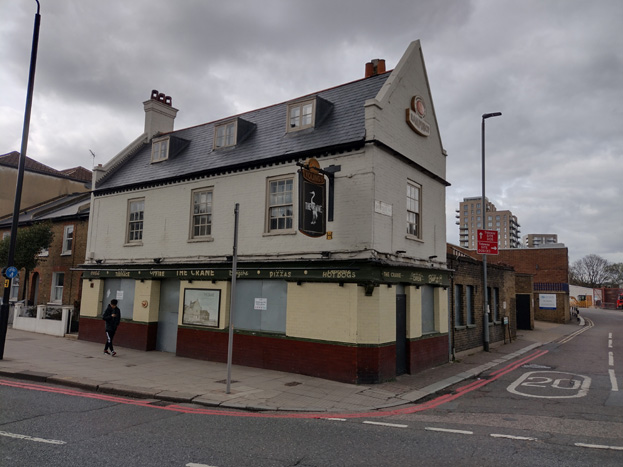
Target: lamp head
493 114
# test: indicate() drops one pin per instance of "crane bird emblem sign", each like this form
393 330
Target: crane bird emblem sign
312 200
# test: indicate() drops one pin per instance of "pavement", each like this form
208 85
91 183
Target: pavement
161 376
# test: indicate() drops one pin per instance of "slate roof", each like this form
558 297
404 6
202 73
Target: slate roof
65 206
343 127
11 159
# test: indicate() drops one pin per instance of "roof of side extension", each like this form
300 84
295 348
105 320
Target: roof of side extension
343 125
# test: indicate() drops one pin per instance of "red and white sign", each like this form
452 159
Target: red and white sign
487 242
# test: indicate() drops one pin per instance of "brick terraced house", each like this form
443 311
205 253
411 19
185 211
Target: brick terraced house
341 253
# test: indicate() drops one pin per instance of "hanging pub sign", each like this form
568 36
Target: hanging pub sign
312 200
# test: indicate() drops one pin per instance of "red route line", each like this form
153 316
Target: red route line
434 403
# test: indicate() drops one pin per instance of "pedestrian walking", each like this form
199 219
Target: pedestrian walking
112 316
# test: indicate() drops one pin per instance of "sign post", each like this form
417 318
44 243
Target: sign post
487 245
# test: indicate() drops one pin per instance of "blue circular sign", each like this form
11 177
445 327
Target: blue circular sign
11 272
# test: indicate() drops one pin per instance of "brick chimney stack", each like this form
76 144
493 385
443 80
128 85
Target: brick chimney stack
375 67
159 114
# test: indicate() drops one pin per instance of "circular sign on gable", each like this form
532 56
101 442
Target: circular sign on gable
417 105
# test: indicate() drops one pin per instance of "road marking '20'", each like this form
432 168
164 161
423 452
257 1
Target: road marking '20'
550 385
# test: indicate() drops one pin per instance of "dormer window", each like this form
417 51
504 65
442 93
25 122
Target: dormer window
301 115
232 132
160 149
225 135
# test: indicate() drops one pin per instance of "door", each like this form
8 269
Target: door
166 339
401 334
523 311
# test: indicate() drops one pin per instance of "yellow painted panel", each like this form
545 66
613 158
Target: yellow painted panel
322 311
92 295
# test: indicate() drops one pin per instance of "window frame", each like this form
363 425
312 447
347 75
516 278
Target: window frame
130 221
470 297
157 151
191 234
418 214
224 126
300 106
55 288
68 237
14 291
459 318
285 230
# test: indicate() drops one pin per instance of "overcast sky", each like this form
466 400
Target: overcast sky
553 68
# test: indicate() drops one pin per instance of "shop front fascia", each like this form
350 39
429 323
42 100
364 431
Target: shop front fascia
361 273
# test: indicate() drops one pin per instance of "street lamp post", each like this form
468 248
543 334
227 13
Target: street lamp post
4 308
485 306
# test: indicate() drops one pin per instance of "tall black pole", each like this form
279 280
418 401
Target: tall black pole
232 304
485 305
4 309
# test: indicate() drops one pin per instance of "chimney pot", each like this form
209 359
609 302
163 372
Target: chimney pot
375 67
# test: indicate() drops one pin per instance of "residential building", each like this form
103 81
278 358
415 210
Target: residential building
55 282
537 240
471 217
40 183
340 196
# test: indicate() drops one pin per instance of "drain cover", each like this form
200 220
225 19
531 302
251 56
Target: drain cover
537 367
293 383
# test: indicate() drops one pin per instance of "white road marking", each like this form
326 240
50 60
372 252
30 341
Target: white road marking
599 446
522 438
609 335
336 419
611 358
545 381
192 464
447 430
613 380
30 438
395 425
609 343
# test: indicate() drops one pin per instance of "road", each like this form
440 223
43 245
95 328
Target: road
560 405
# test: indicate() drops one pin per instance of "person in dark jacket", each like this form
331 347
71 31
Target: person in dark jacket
112 316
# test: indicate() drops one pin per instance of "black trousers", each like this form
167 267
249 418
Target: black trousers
110 334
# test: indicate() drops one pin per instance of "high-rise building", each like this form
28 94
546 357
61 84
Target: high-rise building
471 217
537 240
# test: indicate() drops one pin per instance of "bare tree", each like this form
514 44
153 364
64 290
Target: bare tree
616 274
590 271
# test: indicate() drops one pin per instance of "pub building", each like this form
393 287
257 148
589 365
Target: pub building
341 250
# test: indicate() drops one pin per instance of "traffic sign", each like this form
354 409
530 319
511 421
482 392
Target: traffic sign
487 242
11 272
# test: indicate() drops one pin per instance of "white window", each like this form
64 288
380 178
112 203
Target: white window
201 223
160 150
136 208
56 294
68 238
280 205
14 289
301 115
413 210
225 135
